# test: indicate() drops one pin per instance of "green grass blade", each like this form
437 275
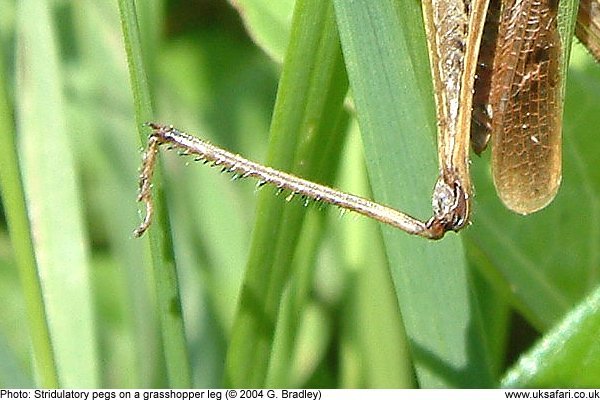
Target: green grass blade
495 309
165 274
53 200
385 53
309 102
568 356
13 200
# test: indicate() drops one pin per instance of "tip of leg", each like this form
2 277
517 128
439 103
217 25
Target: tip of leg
138 232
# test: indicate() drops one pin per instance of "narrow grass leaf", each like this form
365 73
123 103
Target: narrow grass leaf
385 52
568 356
13 200
54 200
165 274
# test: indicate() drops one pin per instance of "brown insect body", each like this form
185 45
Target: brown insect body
524 104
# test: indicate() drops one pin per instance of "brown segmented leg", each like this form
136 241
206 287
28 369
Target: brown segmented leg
454 29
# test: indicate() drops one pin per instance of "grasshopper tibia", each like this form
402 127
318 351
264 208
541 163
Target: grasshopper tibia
450 210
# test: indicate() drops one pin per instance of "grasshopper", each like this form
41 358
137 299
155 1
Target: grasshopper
497 73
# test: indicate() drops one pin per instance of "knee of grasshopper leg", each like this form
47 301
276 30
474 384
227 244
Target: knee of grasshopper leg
450 205
436 229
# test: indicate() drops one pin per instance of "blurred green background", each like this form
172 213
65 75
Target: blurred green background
87 312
